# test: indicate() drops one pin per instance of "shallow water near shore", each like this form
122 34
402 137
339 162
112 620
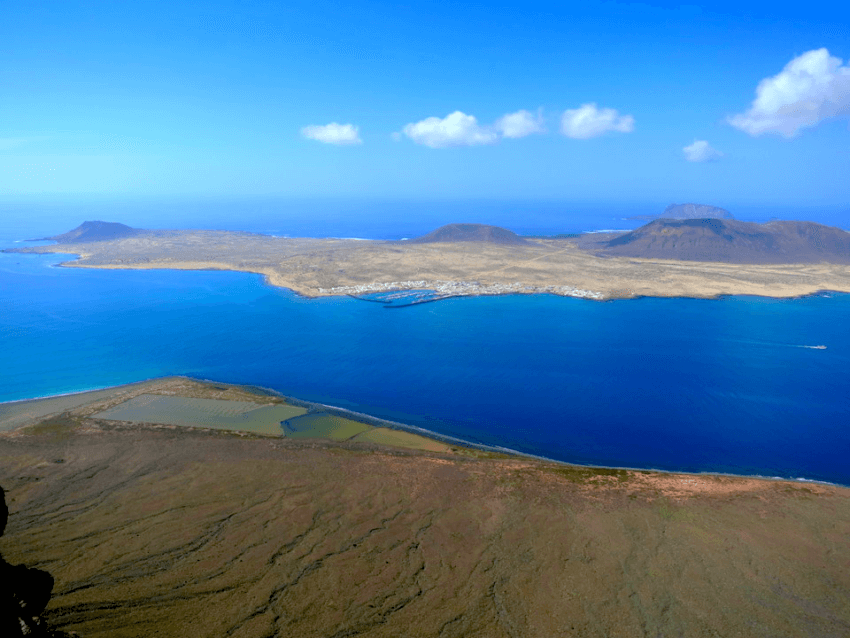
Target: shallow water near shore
729 385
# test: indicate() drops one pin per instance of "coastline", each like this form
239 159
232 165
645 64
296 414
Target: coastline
403 427
75 393
446 289
696 468
273 280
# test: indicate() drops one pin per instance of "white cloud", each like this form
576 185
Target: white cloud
333 133
701 151
520 124
589 121
811 88
456 129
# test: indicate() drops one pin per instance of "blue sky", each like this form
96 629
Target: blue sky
151 99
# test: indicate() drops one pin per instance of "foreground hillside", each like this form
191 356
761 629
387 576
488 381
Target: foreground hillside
168 531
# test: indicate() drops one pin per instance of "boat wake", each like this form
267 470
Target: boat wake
775 344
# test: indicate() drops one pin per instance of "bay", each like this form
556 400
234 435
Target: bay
727 385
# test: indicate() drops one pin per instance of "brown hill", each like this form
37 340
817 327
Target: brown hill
95 231
470 232
723 240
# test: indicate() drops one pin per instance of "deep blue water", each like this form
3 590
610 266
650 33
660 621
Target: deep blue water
677 384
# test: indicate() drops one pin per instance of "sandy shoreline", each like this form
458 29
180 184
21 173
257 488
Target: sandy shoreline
21 413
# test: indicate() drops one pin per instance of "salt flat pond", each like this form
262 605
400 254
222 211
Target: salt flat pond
278 419
210 413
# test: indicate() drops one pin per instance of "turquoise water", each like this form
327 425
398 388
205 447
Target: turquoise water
678 384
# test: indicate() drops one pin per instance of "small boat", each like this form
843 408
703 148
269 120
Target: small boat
816 347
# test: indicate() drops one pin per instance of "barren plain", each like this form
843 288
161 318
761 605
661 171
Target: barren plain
316 267
153 529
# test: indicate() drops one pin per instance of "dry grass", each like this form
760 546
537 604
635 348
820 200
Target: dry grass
185 533
397 438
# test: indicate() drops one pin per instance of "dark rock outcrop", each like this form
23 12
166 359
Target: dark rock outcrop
24 594
95 231
470 232
723 240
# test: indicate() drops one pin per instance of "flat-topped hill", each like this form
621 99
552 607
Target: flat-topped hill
725 240
470 232
695 211
689 211
95 231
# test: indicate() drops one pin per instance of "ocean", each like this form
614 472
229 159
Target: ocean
370 219
729 385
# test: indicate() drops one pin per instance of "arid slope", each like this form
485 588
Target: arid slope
165 531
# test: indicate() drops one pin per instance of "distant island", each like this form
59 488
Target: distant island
94 231
704 257
688 211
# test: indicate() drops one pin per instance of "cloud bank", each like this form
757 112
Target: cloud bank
456 129
701 151
460 129
811 88
589 121
333 133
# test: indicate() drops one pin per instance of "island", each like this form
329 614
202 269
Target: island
702 258
688 211
176 507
